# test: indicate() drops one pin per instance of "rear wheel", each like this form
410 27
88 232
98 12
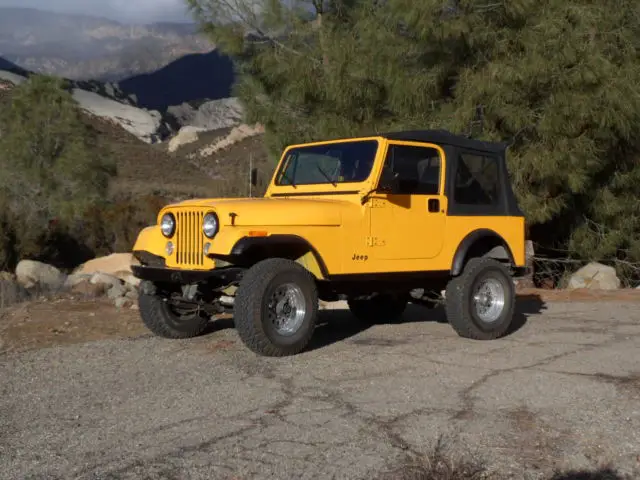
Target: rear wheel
276 307
480 303
382 307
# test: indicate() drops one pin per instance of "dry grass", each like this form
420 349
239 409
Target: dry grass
442 464
438 464
604 473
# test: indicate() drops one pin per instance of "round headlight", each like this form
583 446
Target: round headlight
168 225
210 225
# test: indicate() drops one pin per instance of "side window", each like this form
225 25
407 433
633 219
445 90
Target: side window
477 180
417 169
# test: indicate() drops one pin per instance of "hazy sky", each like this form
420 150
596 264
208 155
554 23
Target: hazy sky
123 10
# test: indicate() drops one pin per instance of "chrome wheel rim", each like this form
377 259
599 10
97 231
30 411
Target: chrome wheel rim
287 309
489 300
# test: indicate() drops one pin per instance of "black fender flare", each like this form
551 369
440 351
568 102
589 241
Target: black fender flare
467 243
247 244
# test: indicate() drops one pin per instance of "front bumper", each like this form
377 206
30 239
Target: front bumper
218 276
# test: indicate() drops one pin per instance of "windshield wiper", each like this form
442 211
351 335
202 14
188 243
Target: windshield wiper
326 176
284 174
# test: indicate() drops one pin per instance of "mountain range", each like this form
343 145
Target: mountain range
82 47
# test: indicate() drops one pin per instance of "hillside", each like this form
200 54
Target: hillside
148 177
145 169
83 47
150 170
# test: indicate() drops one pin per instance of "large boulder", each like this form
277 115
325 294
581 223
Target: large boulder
116 264
31 274
216 114
210 115
595 276
146 125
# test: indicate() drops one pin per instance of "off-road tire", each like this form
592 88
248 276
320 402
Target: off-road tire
459 305
251 304
380 308
158 317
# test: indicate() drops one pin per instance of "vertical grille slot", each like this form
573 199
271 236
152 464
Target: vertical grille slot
189 241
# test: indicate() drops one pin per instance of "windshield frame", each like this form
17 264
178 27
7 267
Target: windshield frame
280 180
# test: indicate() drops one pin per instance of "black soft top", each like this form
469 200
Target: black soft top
444 137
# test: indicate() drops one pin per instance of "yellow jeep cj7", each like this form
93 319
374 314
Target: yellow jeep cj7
380 221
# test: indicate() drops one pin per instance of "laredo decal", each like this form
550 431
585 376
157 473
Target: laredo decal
360 257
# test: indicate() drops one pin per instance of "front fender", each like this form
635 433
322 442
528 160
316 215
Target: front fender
150 239
225 240
241 244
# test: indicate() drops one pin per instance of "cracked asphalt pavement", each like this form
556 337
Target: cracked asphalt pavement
563 391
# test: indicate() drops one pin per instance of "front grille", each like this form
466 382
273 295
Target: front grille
189 238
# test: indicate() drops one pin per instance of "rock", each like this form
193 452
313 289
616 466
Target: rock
186 135
217 114
88 289
105 279
183 113
146 125
114 264
117 291
595 276
121 302
30 274
129 279
132 294
75 279
211 115
237 134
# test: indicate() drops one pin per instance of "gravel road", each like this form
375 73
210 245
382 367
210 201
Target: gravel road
563 391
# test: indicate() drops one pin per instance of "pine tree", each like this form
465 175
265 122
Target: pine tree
556 79
49 173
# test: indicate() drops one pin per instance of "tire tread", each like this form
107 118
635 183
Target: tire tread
456 305
248 307
156 318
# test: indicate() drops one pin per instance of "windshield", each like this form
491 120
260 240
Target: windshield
331 163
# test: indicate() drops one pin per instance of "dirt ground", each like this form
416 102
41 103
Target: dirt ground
66 321
87 392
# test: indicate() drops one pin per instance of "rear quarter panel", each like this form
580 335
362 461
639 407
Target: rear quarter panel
511 229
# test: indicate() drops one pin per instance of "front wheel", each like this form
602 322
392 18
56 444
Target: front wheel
276 307
167 320
480 303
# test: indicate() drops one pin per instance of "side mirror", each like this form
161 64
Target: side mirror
389 182
254 177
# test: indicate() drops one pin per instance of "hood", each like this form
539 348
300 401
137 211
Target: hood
275 211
